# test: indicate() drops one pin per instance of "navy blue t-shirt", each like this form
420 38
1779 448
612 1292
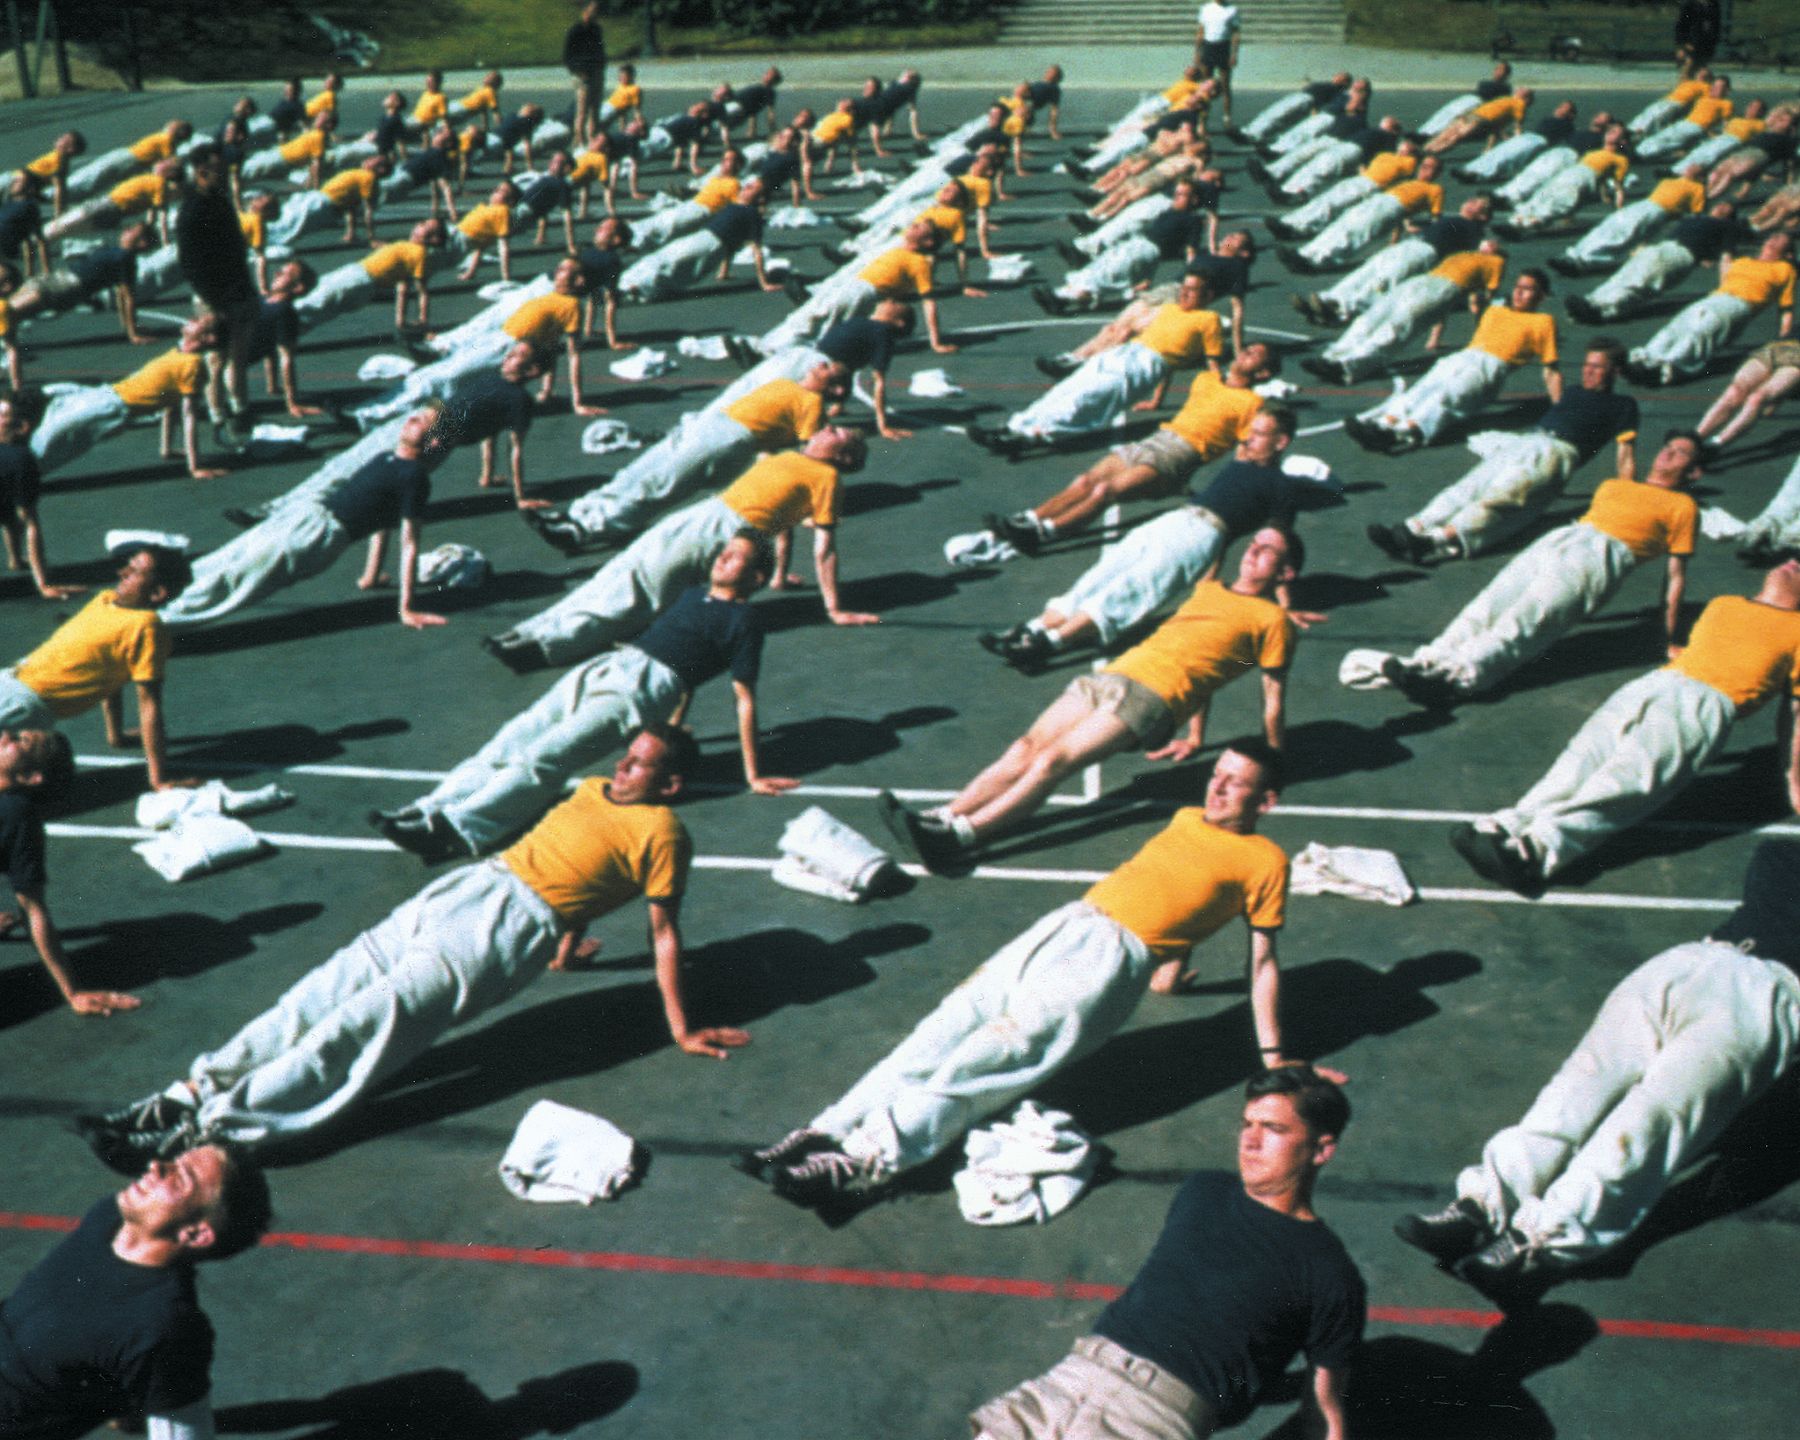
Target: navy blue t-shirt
858 344
1175 232
1348 125
601 268
390 130
1556 129
898 93
1232 1291
1228 274
754 99
88 1336
1452 234
699 637
515 128
287 114
736 225
1590 420
1492 89
1247 497
1779 145
777 168
1373 141
104 267
547 193
19 221
1323 92
1705 237
485 408
427 165
20 479
1045 92
22 828
682 129
620 147
276 327
380 495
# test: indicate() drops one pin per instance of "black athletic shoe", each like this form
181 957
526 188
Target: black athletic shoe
1279 228
794 1146
1507 1271
1393 541
428 837
1049 301
1021 534
517 655
242 518
1073 256
1428 691
995 642
821 1177
1083 222
555 528
932 844
795 288
1459 1229
128 1152
1490 856
1056 366
1030 654
1583 309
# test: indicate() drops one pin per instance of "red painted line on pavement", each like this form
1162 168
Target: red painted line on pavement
945 1284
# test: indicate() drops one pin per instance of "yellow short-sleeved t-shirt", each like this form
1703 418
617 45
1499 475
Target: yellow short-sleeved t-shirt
1650 520
1216 636
325 100
1745 128
626 97
399 260
349 187
1506 107
899 273
588 856
1472 270
1014 124
1709 110
5 317
948 221
1516 336
49 165
1418 195
1180 91
1184 337
1678 196
1760 281
153 148
592 165
302 148
719 191
484 223
1744 650
163 381
140 192
479 99
980 189
1190 881
833 128
1215 416
1607 164
779 414
432 107
93 655
1389 169
1687 92
255 231
779 491
541 321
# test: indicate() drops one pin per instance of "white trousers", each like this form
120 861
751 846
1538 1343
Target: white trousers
1044 1000
1537 173
466 942
1127 223
1542 594
1650 271
1354 230
487 321
1645 743
1681 1045
1384 269
303 214
1506 158
1455 388
76 421
1708 152
1613 238
1653 117
21 707
1779 522
103 172
1692 336
436 381
706 449
842 296
1291 162
633 587
661 226
505 787
1115 273
1316 214
1300 132
1390 322
1323 165
1147 567
1670 140
1098 395
1518 478
293 544
1450 110
673 268
1285 111
1557 198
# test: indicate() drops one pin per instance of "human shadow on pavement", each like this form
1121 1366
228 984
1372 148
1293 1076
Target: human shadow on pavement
731 982
896 590
824 742
125 954
432 1404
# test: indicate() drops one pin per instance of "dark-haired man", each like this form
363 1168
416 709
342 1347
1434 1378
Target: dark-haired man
109 1323
1059 990
468 941
1243 1276
19 486
1140 700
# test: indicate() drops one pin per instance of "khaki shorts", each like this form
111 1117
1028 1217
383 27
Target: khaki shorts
1779 354
1099 1391
1138 708
1171 458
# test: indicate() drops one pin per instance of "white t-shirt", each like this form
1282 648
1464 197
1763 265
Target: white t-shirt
1217 22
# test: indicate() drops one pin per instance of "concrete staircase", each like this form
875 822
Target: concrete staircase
1164 22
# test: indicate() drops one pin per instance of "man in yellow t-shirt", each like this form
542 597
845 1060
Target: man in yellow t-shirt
772 496
434 104
1385 168
1471 277
145 196
627 99
79 419
1672 106
116 639
488 224
1692 336
344 196
309 149
404 266
1608 243
482 103
1651 737
1059 991
468 941
705 448
1420 197
1130 375
662 226
903 273
52 167
1141 700
110 167
1707 113
1487 120
1456 387
1560 580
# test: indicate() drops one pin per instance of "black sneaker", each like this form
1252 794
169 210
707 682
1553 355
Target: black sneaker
932 844
1447 1235
242 518
428 836
1083 222
1001 442
1020 533
127 1152
1030 654
1391 540
794 1146
518 655
1056 366
1048 300
995 642
1564 265
1069 253
1279 227
1507 1271
556 529
847 225
1583 309
795 288
1490 856
1430 692
153 1112
743 354
823 1176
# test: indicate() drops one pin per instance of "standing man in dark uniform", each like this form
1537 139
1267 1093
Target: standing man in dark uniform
584 57
109 1323
215 261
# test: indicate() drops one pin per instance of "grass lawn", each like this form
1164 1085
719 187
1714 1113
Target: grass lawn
1470 24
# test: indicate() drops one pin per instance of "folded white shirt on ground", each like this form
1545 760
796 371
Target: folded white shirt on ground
1352 871
561 1155
1028 1169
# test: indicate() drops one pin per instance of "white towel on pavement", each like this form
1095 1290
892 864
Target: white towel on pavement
1352 871
560 1154
1030 1168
